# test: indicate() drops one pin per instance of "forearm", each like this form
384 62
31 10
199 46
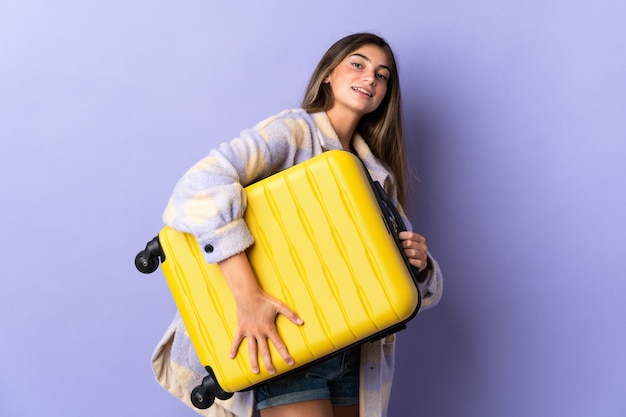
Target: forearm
240 277
209 201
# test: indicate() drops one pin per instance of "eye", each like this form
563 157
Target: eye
357 65
382 76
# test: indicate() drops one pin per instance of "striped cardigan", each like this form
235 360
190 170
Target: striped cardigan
209 202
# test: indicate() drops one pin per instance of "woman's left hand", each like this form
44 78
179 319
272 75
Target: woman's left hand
415 249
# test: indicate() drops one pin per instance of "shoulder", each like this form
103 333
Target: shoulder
285 117
295 127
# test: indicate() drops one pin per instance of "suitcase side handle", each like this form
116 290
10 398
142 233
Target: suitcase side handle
393 220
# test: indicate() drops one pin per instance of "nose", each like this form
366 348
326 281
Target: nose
370 77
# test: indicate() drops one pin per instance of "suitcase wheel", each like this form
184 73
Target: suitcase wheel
201 398
147 261
204 395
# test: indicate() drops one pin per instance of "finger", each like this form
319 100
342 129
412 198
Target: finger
406 235
264 352
290 314
281 348
413 248
252 351
409 244
418 244
418 263
236 343
415 253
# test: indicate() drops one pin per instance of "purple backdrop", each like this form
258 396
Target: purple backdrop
516 114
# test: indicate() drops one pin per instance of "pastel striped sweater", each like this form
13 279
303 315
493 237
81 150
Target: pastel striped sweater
209 202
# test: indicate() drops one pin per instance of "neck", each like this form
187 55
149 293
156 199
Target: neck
344 124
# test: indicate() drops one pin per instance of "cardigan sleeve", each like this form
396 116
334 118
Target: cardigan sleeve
431 287
209 200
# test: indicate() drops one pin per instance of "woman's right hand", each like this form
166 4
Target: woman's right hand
256 314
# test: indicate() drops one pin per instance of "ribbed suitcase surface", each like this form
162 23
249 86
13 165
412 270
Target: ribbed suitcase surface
321 246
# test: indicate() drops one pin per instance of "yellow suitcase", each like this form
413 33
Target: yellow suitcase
325 244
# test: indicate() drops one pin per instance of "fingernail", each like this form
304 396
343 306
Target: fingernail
300 321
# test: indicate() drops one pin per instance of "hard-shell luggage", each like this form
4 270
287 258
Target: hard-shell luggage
325 244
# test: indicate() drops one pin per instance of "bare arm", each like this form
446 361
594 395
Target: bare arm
256 314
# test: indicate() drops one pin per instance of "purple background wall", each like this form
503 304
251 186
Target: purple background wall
517 112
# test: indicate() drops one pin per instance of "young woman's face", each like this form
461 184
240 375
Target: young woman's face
359 82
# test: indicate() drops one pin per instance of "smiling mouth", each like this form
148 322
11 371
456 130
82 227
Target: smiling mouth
362 90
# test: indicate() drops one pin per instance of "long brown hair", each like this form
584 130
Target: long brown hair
382 129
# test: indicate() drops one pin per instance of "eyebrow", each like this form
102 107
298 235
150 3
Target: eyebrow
369 60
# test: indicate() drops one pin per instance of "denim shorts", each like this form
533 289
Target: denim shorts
335 378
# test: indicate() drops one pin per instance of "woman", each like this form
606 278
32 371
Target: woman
352 103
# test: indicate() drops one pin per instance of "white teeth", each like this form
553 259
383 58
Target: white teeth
362 90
